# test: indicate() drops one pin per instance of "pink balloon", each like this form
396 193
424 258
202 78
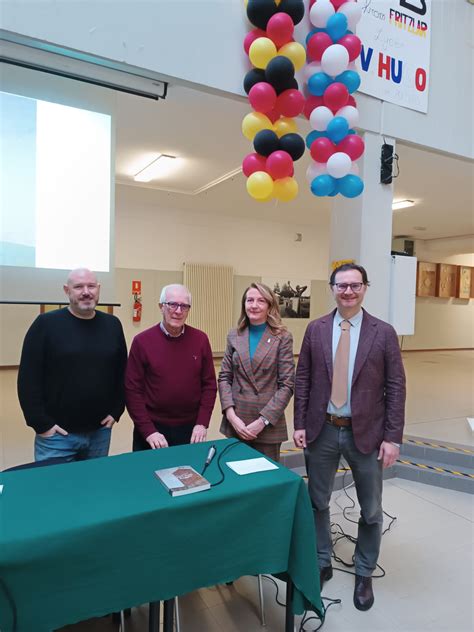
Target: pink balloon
262 97
311 103
280 29
252 163
317 44
279 164
352 44
335 96
352 145
322 149
290 102
251 37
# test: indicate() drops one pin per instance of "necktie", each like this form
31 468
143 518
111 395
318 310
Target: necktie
341 366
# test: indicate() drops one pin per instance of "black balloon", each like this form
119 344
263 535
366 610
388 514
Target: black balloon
292 84
266 142
280 72
294 8
293 144
252 77
260 11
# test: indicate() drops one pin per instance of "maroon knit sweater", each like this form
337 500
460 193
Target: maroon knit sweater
170 380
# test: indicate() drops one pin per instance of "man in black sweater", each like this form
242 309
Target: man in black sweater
70 382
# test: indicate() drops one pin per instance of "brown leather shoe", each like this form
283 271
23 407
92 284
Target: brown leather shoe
363 593
325 574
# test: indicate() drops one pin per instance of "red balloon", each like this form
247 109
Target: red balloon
251 37
352 101
322 149
311 103
274 115
335 96
280 29
337 3
290 103
279 164
311 2
317 44
352 44
252 163
352 145
262 97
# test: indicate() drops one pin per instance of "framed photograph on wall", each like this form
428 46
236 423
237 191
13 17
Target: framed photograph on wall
426 279
463 282
294 296
446 287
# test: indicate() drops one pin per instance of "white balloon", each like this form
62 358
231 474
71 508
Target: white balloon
320 117
335 60
350 113
320 13
310 69
314 170
339 165
353 13
354 169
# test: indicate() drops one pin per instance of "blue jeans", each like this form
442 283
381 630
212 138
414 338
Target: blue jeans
76 446
322 460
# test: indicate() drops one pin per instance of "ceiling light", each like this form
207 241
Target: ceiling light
160 166
398 205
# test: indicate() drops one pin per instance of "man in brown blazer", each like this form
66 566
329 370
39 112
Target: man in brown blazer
350 401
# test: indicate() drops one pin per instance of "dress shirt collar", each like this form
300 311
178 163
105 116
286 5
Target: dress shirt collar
354 321
167 333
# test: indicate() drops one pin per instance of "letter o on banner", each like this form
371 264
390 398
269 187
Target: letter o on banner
420 79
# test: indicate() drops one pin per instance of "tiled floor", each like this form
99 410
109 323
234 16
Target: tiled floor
428 587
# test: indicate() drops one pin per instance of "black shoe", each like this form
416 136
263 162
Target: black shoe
363 593
325 574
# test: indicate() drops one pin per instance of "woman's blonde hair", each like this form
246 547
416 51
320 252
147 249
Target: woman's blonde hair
273 316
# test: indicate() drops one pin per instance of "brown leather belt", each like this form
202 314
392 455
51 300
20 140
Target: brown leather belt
340 422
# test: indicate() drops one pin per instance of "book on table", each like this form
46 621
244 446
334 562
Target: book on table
182 480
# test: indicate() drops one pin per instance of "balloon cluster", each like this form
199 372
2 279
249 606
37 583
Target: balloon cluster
332 49
274 96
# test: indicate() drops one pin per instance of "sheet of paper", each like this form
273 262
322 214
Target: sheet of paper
1 489
470 421
249 466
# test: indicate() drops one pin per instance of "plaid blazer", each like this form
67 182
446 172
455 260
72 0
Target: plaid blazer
261 386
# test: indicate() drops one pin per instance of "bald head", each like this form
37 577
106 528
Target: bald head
83 290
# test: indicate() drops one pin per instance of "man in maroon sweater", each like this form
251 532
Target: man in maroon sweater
170 381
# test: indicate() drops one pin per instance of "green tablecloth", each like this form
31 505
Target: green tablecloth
88 538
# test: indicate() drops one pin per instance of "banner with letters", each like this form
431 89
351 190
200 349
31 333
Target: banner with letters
395 57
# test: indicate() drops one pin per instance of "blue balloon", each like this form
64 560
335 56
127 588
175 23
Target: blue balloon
312 136
323 185
350 186
336 26
312 32
351 79
337 129
318 83
352 131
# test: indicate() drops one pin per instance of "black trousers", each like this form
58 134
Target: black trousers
175 435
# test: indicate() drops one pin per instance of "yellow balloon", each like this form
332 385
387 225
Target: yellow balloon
295 53
284 125
261 51
259 185
267 199
285 189
253 123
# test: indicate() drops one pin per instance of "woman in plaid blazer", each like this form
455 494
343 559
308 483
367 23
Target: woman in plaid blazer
256 379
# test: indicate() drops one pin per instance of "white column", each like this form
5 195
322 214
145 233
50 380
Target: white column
361 227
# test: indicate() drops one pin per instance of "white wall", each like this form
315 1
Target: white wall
443 323
201 42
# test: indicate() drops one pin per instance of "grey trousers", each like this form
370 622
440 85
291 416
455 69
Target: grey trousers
322 460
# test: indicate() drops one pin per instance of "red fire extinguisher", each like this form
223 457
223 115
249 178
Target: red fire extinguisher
137 309
137 301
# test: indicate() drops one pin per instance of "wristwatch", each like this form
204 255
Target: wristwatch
397 445
265 421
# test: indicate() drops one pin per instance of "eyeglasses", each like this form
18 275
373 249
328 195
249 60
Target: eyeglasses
342 287
175 306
